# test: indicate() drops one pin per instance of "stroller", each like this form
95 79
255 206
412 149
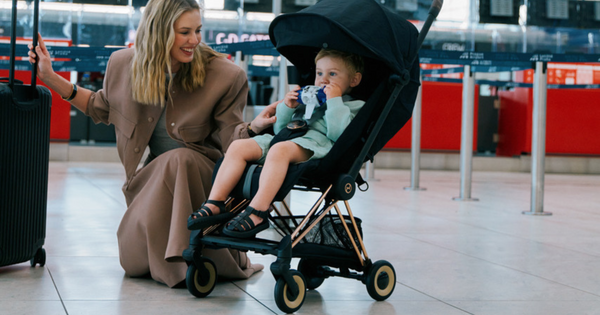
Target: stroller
328 242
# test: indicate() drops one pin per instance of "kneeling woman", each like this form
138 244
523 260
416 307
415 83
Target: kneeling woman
184 101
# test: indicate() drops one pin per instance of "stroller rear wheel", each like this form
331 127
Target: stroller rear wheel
309 270
284 299
200 283
381 280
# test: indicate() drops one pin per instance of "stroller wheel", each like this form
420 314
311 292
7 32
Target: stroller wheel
381 280
201 283
309 270
284 299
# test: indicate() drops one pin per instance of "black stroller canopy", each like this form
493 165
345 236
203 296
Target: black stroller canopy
363 27
388 44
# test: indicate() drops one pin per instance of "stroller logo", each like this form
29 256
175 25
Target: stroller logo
348 188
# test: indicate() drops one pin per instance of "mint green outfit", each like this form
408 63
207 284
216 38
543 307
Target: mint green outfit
322 133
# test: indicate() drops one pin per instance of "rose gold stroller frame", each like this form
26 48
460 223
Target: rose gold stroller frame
299 233
303 227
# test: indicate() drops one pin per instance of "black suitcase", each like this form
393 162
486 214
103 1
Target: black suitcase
24 153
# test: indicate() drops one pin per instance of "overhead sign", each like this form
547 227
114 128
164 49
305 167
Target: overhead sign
231 37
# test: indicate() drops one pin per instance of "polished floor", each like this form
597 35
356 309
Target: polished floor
451 257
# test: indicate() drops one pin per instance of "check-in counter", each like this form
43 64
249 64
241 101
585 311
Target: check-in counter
572 122
441 119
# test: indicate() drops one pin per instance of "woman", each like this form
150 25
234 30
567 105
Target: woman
184 101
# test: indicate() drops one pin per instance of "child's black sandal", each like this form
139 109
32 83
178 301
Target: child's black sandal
204 217
243 227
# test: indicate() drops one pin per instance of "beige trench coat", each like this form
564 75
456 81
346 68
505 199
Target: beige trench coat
160 196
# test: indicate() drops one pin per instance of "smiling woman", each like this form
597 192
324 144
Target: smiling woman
173 94
187 37
176 31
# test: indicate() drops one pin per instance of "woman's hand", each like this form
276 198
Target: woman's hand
44 64
265 119
291 98
55 82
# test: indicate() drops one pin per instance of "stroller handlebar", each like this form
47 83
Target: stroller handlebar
436 7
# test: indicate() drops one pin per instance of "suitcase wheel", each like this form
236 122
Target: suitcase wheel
39 258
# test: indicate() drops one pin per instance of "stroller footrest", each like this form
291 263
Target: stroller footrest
261 246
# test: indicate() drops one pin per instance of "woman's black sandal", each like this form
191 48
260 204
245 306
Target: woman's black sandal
243 227
204 217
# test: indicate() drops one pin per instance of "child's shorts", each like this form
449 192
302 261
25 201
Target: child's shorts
313 140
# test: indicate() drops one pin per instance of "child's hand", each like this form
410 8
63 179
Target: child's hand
332 90
291 97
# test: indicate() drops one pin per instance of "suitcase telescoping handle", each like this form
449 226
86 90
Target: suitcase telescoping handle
24 96
36 14
13 42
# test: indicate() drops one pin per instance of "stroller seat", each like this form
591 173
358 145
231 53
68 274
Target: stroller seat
328 241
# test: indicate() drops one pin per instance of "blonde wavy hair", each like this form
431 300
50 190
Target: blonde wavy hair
152 59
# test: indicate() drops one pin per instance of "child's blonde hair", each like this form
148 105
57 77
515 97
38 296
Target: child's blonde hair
353 62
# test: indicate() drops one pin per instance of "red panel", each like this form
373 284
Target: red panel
60 119
572 126
402 139
514 122
573 121
440 121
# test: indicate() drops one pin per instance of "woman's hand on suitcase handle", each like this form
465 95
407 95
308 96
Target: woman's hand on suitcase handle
44 62
55 82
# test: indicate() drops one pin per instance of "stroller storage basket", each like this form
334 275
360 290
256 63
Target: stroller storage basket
328 232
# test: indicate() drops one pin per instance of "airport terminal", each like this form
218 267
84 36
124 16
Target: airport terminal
464 178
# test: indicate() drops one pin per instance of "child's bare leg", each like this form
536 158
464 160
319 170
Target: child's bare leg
280 156
240 152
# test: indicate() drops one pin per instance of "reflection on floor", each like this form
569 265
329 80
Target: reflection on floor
451 257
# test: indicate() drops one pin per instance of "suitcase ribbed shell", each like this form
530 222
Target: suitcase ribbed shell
24 154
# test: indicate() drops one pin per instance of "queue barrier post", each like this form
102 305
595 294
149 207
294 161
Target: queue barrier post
538 141
370 170
466 135
415 149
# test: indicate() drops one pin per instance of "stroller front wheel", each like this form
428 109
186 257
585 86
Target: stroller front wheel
200 283
381 280
284 299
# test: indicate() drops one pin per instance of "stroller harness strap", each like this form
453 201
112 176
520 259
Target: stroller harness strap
298 126
247 189
317 113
